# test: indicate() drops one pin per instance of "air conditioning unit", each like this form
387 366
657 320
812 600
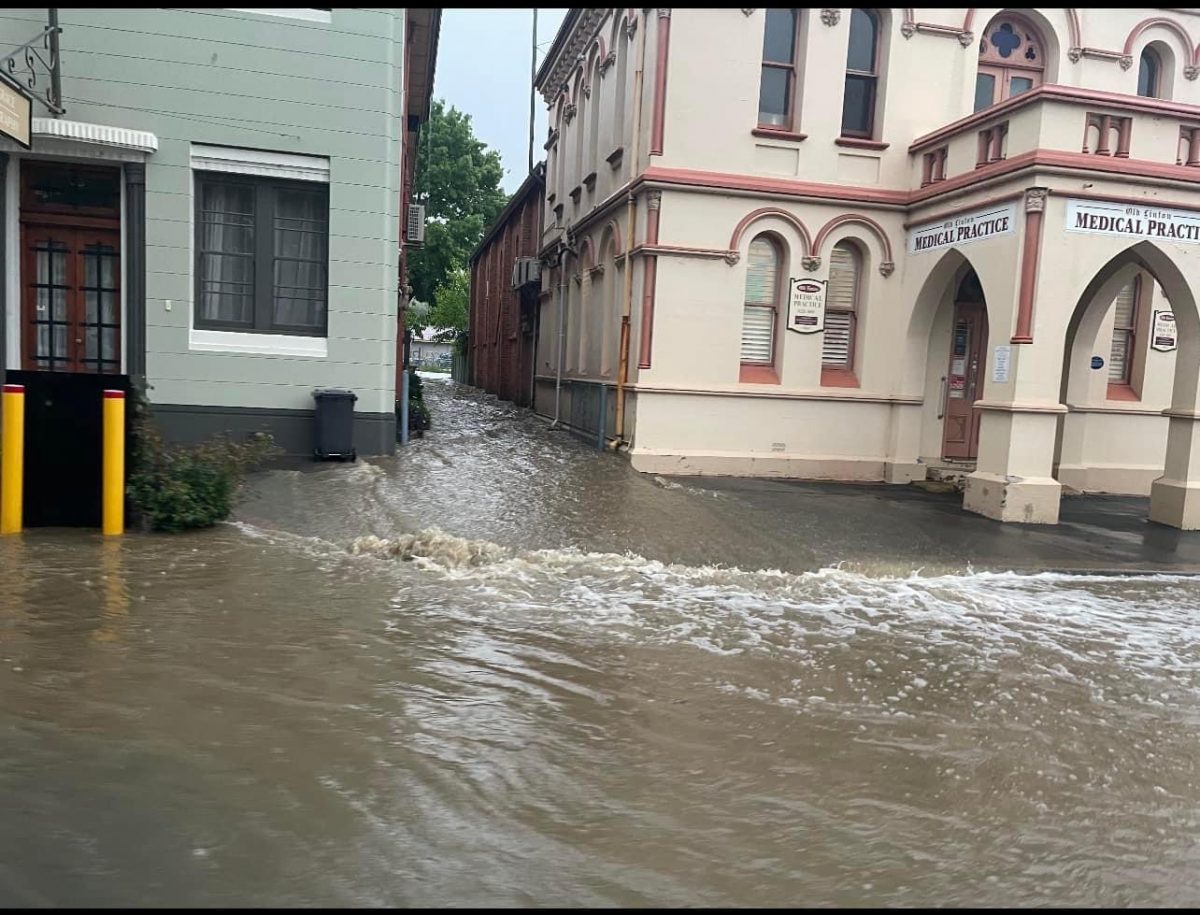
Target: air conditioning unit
526 271
416 224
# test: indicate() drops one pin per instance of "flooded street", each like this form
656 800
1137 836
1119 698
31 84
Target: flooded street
500 668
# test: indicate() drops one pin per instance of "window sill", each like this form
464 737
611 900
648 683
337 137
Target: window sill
768 134
861 143
1118 391
253 344
758 374
838 378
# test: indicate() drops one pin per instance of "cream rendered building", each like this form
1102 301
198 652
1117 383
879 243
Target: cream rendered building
859 244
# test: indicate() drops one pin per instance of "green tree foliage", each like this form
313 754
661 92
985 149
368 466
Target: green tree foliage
461 177
452 305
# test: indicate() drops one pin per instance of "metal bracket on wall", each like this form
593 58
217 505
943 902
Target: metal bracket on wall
33 68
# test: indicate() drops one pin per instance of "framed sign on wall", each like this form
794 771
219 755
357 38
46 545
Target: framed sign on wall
806 305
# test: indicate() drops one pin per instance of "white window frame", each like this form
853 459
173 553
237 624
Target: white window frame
232 160
306 15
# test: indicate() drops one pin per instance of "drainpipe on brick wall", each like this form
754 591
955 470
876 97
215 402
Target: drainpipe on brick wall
562 332
630 213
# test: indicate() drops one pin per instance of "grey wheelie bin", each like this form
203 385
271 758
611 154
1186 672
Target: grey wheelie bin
335 424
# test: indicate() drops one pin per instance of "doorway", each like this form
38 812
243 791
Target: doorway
70 268
964 375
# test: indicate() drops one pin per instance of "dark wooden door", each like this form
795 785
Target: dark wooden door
964 381
71 299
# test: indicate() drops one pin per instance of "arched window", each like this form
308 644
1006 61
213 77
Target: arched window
1149 74
1011 60
862 75
760 311
777 86
1120 356
841 307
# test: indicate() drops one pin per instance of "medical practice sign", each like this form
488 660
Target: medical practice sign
956 231
806 308
1133 221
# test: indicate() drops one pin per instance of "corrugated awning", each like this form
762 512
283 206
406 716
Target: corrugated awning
100 134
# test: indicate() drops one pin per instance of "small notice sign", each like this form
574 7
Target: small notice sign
806 305
16 115
1000 364
1163 335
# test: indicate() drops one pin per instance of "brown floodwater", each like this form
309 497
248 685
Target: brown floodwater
503 669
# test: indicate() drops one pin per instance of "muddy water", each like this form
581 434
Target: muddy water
499 669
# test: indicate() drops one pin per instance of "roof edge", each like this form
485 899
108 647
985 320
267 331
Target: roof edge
535 179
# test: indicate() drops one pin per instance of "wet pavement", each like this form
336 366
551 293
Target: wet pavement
503 669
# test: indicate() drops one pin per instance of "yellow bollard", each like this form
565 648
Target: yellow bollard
114 463
12 460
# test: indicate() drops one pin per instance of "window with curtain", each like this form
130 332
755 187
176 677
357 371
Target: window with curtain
1011 60
1149 74
841 307
760 308
777 86
1120 356
262 255
862 77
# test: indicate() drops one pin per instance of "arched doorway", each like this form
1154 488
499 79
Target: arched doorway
1012 60
1130 426
964 372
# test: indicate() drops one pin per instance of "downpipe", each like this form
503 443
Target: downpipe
630 211
563 251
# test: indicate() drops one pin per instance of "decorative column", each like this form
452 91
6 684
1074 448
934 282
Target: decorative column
1035 205
649 276
660 83
135 272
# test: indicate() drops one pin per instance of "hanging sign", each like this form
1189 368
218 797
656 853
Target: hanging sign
1163 336
962 230
1095 217
806 305
16 115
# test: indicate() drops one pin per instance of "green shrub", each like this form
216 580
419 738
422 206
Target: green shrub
419 418
176 488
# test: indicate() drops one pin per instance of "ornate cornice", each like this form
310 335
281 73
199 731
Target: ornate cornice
831 17
586 29
1035 199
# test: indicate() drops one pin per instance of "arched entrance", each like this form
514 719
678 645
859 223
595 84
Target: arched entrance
964 371
1131 369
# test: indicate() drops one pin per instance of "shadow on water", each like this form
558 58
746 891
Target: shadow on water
502 669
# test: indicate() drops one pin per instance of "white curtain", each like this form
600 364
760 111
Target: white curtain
226 253
301 258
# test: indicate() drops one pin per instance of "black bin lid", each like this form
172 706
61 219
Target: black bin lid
335 394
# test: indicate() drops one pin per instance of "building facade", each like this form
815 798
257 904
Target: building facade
864 244
505 286
214 206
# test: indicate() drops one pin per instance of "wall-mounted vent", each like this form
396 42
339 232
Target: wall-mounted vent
416 224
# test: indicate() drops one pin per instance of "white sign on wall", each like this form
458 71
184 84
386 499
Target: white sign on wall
1164 337
1096 217
806 305
1000 363
964 229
